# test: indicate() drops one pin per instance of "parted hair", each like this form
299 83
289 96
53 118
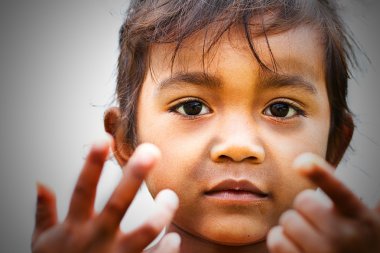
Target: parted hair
150 22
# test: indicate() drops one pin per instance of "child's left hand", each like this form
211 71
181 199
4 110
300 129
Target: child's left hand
340 223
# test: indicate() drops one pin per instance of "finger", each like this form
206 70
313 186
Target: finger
321 174
170 243
337 230
166 205
377 208
302 233
278 242
83 197
46 210
140 163
317 209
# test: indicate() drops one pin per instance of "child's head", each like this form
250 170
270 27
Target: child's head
231 92
159 22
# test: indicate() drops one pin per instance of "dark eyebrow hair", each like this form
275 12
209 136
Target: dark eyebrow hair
275 80
267 80
197 78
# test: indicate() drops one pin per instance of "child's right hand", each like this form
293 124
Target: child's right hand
84 231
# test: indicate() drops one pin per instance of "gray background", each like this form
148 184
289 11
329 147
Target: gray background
57 76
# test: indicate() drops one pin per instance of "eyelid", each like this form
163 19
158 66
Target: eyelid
291 102
180 102
295 105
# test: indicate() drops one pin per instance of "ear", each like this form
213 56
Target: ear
340 140
121 148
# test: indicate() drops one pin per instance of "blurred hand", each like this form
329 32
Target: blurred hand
84 231
339 223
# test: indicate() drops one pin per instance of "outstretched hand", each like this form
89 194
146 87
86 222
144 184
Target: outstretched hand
339 223
84 231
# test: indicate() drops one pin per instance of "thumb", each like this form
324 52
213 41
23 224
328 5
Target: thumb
46 210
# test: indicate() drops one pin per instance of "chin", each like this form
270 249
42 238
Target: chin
236 233
236 239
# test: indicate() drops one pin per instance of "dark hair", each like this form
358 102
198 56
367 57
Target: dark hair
172 21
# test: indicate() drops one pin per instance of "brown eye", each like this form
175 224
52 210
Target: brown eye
281 110
192 108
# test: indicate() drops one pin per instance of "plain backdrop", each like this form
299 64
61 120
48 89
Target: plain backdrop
57 76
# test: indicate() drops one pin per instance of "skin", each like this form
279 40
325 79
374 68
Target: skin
337 223
236 136
84 231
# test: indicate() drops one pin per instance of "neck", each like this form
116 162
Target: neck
192 244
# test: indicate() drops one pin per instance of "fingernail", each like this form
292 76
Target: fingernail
174 239
305 162
146 154
168 198
102 142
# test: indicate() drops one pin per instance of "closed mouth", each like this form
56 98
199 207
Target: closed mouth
236 191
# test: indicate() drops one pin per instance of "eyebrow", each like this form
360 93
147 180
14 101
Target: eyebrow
266 81
197 78
275 80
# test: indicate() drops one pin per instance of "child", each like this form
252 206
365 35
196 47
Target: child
242 102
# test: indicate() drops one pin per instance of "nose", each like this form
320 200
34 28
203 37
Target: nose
238 142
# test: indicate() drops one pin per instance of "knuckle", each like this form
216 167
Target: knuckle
114 208
102 231
81 190
137 172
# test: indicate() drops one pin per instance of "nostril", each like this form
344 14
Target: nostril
226 158
237 152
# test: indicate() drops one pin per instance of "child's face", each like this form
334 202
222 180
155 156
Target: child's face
235 123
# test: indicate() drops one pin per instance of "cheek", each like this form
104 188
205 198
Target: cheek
281 151
311 136
182 156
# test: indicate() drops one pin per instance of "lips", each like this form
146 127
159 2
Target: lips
236 191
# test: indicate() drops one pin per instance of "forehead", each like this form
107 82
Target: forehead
296 51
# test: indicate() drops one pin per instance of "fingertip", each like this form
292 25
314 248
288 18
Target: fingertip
103 142
43 191
40 187
146 154
274 237
168 198
46 213
173 239
149 149
311 201
100 149
306 163
287 216
170 243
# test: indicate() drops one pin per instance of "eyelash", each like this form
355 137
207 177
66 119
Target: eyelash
177 106
291 104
